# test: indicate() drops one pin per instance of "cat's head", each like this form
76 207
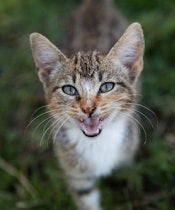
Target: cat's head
90 90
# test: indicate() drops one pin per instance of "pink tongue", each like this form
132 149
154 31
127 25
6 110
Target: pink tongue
90 126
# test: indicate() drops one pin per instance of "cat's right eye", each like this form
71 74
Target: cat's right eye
70 90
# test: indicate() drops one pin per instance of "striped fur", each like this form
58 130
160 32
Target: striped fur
94 129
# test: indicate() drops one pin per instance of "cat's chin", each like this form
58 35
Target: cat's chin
92 134
91 127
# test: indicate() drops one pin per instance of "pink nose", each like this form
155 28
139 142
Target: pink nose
89 110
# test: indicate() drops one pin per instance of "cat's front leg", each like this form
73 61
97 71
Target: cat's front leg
85 193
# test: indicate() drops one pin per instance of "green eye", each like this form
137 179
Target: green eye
70 90
106 87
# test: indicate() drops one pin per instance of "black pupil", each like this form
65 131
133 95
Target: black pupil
107 86
71 90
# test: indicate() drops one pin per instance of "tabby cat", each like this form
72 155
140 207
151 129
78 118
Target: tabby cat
91 96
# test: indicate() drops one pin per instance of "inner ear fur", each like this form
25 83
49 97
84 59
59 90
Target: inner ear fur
47 56
129 50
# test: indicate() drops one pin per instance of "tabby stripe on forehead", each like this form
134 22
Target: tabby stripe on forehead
97 58
100 76
75 60
74 78
86 64
83 64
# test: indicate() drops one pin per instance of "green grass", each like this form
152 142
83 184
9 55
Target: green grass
149 183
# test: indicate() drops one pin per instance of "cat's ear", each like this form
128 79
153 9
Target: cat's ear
129 50
48 58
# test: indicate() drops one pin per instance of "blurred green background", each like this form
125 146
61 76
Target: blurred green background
29 174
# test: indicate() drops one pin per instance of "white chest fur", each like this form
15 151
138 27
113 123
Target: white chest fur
102 153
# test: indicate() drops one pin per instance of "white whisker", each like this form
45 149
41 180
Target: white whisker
42 114
130 115
49 127
58 129
147 118
39 108
138 123
55 123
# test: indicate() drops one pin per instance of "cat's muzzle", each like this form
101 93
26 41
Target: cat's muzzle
91 127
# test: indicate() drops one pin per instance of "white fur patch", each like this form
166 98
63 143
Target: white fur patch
102 153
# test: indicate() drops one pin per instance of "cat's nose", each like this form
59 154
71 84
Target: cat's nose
89 110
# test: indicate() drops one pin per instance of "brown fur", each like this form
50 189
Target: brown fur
86 72
100 32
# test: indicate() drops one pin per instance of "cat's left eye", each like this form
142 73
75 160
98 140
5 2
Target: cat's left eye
70 90
106 87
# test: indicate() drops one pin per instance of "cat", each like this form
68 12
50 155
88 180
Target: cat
91 97
94 25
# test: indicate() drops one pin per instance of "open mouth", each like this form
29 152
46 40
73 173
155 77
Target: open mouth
91 127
